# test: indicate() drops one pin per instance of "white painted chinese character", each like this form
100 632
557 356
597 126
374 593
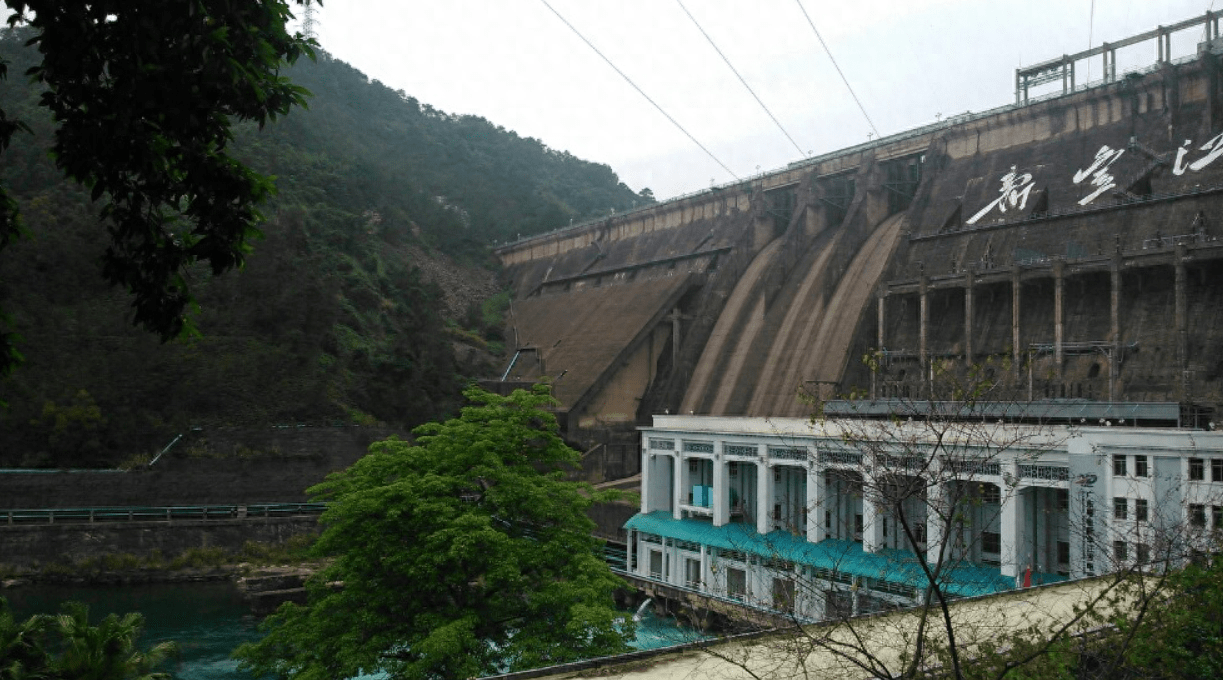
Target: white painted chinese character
1098 170
1215 147
1014 191
1179 166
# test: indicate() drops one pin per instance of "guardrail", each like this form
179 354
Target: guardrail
28 516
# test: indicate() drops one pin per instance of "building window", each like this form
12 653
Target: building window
736 584
1197 469
828 520
1119 466
692 573
1144 553
732 469
991 542
1216 517
1197 515
1120 508
656 564
1140 509
1063 500
783 594
1140 466
991 494
1063 552
1216 469
1120 551
858 526
699 447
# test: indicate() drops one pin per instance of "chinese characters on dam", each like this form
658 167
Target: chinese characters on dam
1016 187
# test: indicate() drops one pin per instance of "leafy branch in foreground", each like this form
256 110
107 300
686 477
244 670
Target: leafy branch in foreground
144 95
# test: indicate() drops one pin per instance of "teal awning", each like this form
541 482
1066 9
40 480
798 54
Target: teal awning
893 566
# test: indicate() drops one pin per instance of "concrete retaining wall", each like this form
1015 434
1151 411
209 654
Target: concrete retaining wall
27 547
215 467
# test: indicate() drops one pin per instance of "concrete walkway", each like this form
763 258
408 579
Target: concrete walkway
864 647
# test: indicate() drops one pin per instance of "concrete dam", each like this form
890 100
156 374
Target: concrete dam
1069 243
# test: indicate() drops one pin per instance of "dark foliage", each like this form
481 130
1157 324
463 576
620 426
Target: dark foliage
328 321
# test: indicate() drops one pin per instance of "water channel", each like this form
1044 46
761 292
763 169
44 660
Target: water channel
209 620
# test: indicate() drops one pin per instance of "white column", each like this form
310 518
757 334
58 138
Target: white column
706 576
1016 553
678 479
764 494
646 460
936 508
872 515
815 508
721 487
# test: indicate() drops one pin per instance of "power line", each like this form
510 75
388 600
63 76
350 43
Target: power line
838 68
736 72
639 90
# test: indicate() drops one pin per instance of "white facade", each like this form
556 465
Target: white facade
797 515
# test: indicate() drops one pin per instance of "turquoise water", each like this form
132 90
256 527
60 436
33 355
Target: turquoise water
209 620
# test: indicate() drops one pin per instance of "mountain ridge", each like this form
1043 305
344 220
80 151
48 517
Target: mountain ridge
370 298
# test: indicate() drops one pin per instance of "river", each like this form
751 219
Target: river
209 620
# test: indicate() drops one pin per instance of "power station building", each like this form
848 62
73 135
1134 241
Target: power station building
832 517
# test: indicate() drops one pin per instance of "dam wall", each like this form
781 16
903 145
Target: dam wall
1070 245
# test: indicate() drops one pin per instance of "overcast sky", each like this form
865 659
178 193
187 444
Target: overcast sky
517 64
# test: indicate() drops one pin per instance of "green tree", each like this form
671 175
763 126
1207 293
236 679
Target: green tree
67 646
21 645
143 94
1181 635
462 554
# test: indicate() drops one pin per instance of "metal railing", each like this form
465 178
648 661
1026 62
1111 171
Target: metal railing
27 516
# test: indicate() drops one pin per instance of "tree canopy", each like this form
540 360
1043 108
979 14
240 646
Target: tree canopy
144 94
461 554
67 646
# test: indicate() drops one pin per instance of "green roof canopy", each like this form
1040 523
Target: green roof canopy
893 566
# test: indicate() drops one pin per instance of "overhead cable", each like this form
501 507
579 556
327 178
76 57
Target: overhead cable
639 90
736 72
838 68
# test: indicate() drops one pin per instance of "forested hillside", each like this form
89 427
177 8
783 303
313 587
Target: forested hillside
370 297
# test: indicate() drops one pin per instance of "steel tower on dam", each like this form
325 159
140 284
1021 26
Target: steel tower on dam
1073 238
